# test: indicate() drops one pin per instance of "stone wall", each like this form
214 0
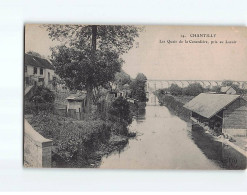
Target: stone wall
37 149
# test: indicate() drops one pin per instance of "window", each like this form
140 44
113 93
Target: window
49 76
41 71
25 67
34 70
41 79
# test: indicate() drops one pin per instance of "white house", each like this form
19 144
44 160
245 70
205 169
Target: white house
228 90
38 71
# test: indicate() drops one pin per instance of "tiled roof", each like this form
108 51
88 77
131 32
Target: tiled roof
38 62
208 105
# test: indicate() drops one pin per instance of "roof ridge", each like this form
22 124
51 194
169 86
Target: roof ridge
208 105
38 62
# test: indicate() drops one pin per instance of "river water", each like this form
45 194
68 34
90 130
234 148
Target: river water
164 141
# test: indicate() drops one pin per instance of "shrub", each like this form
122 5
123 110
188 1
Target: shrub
175 90
138 86
193 89
41 100
71 138
42 94
120 109
216 89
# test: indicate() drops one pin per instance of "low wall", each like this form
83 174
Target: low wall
37 149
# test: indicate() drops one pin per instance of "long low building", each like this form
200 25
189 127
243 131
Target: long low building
223 113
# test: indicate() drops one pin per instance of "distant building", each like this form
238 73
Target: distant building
244 85
228 90
217 110
38 71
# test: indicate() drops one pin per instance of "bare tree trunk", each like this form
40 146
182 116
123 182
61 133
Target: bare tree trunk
94 37
90 88
89 99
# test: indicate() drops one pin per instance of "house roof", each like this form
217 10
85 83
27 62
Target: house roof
225 89
236 119
242 108
207 105
77 97
38 62
245 97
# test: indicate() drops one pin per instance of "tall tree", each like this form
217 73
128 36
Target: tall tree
91 54
138 87
121 79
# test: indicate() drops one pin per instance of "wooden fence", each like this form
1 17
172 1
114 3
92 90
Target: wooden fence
58 109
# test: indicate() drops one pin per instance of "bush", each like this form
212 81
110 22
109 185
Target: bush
216 89
72 139
175 90
138 86
42 94
120 109
193 89
41 100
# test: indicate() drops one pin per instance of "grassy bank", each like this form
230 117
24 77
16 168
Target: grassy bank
79 143
175 104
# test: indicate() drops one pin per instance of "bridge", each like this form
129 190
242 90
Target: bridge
153 85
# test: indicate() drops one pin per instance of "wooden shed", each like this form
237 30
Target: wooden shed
208 109
76 102
235 122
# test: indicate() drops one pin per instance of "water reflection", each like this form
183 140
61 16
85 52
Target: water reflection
141 115
225 156
165 141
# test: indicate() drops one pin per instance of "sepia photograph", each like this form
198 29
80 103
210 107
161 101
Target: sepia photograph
135 97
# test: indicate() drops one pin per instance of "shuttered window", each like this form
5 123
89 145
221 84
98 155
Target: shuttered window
41 71
34 70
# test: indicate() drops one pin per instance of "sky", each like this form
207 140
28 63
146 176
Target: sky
171 61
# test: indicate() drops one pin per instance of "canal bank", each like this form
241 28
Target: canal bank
166 141
159 144
238 149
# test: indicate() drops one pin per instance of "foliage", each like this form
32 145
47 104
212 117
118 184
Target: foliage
175 105
81 69
227 83
193 89
234 86
90 56
120 108
137 87
41 100
175 90
161 92
216 89
42 94
33 53
117 39
239 90
71 138
122 79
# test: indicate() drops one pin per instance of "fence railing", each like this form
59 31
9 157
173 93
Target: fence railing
53 108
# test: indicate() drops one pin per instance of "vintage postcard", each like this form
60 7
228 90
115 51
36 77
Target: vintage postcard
135 97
